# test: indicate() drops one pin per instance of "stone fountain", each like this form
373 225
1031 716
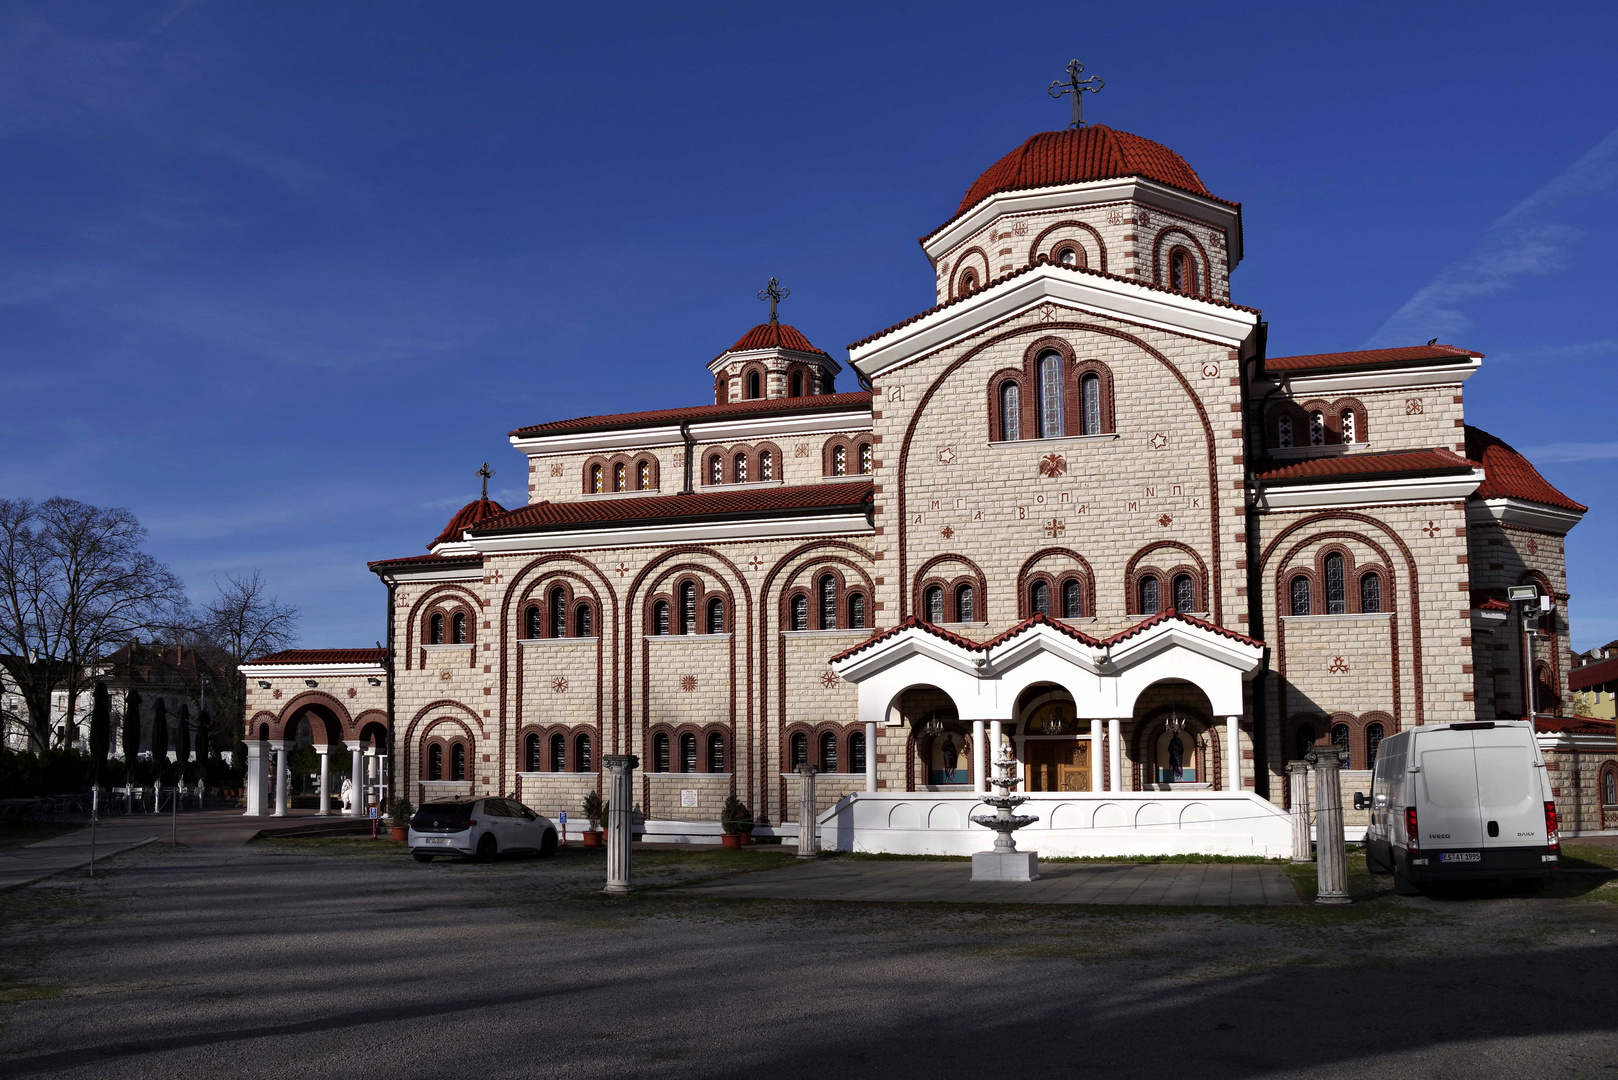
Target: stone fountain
1005 862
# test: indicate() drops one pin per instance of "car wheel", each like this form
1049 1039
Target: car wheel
487 848
422 856
547 846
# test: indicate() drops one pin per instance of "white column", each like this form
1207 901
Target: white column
1098 773
357 779
996 734
1115 755
1233 753
980 758
255 780
370 775
870 756
325 774
281 779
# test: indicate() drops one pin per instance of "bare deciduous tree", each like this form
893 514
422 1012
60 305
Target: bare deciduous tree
242 623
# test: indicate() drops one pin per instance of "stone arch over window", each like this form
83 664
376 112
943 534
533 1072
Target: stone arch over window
971 273
646 473
797 614
1075 234
1301 593
558 752
799 380
1007 393
1186 561
765 462
449 621
1093 382
533 757
755 381
584 751
585 619
1607 786
435 629
1068 580
1194 266
682 599
1374 727
1334 566
950 573
444 741
847 455
595 476
1077 401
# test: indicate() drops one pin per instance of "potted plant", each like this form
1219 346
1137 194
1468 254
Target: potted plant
737 821
400 817
595 812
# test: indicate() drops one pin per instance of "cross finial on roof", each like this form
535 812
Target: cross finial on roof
485 472
774 292
1076 86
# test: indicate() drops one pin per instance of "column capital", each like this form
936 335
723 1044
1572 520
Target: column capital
620 762
1327 757
806 770
1298 768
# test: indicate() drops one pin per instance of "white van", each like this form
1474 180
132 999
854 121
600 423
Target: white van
1461 802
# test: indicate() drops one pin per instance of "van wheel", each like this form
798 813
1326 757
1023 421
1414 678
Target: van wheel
487 849
547 846
422 856
1402 885
1527 884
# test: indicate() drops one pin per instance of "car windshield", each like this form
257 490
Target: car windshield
445 813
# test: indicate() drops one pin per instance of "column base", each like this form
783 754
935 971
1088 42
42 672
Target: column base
618 890
1332 898
1005 865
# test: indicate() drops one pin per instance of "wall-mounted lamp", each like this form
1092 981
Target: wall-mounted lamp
374 681
263 684
310 682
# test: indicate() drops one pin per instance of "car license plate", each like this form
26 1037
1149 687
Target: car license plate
438 840
1461 856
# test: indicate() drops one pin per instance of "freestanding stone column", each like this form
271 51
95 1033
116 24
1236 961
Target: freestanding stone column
870 756
1233 753
356 781
255 780
1331 859
1298 788
325 788
1098 768
620 820
808 846
980 759
281 779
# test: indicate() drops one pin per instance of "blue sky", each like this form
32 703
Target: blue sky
278 277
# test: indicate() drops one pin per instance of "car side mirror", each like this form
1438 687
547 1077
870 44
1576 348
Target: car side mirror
1359 800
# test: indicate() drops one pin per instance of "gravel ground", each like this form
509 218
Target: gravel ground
288 958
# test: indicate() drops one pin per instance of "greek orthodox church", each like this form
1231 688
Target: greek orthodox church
1074 515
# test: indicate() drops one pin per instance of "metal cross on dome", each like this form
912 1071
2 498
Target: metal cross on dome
774 292
1076 86
485 472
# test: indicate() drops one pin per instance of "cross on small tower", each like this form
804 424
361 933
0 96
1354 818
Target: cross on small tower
1076 86
774 292
485 472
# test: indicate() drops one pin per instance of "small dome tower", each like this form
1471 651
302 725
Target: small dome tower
772 360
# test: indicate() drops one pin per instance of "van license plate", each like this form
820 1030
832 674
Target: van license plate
1461 856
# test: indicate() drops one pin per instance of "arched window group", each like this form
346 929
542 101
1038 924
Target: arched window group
690 610
447 628
826 605
620 475
688 751
1157 591
556 613
844 456
1359 736
550 752
1336 587
829 749
1059 596
1054 396
741 465
445 760
1317 423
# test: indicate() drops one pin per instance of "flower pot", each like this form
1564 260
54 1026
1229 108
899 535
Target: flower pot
401 833
592 838
747 838
732 840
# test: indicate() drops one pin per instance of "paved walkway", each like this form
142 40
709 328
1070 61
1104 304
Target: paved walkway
950 881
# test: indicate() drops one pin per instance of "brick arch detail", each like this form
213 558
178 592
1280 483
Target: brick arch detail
288 714
964 262
1035 251
1160 270
1133 571
416 617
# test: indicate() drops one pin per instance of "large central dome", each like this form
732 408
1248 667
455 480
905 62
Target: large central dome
1088 153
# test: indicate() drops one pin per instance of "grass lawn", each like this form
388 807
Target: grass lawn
22 835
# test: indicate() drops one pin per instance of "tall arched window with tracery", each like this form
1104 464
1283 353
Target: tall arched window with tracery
558 753
1040 598
1072 599
435 762
1339 739
1182 271
966 607
856 752
753 388
1048 369
583 621
558 602
828 752
1374 734
458 625
620 477
582 761
856 611
716 616
1300 595
1336 585
1348 425
716 753
1010 412
660 618
828 602
800 612
865 459
688 752
933 599
1149 599
839 461
799 750
435 629
739 468
457 762
660 752
531 756
1283 432
1317 429
1090 400
688 608
596 487
766 465
533 622
716 469
1371 594
643 475
1185 593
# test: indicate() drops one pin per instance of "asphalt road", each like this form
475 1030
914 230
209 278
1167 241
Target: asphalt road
345 958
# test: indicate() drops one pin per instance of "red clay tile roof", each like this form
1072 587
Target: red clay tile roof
467 516
854 400
1368 466
1170 613
1596 674
322 656
1491 604
426 562
1411 354
1508 475
746 502
1574 725
1019 272
774 335
910 622
913 622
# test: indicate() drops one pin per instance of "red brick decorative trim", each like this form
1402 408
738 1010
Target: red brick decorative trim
1201 265
290 713
963 262
1134 572
1038 248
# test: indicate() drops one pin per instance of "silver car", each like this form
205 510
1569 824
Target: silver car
480 828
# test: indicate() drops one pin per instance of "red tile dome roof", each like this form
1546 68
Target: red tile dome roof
1509 475
775 335
473 513
1096 152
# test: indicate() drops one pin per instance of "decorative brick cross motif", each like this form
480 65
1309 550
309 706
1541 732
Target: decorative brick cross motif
754 562
1533 546
622 568
688 683
1413 406
801 450
559 684
1165 521
1052 465
829 680
1339 666
1047 313
1055 527
1431 529
556 469
947 532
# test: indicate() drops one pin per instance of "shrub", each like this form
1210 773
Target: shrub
401 812
735 817
594 810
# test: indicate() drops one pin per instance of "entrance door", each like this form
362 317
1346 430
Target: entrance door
1058 764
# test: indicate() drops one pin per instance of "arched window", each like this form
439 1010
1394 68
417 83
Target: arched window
435 629
828 602
1300 595
1302 740
716 753
856 752
1039 598
969 282
1339 738
457 762
752 387
531 753
596 487
1336 588
828 752
435 762
458 625
1283 432
558 612
1072 599
933 601
1317 429
1348 425
1148 596
797 384
716 469
739 470
1374 734
660 617
766 465
839 461
865 459
1185 593
716 616
583 621
856 611
966 606
1609 788
688 607
1371 594
688 752
1182 271
558 753
620 477
660 752
800 612
581 755
800 750
1090 399
1010 412
643 475
1070 255
532 621
1048 371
